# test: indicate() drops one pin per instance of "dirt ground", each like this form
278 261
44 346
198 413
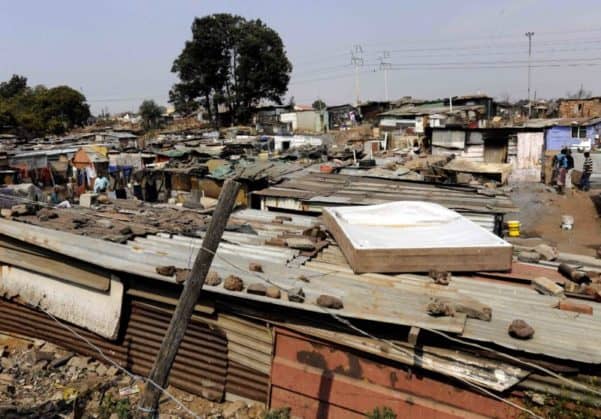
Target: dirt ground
42 380
540 215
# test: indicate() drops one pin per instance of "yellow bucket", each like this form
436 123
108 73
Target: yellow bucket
514 228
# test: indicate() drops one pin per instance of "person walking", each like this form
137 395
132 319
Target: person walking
587 171
570 169
562 168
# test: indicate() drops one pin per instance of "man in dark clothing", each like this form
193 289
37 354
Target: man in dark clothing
587 171
569 170
562 167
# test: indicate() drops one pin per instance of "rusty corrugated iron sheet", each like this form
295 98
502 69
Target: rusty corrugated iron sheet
245 382
200 366
320 379
249 344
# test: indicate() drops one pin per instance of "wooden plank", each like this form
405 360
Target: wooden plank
182 315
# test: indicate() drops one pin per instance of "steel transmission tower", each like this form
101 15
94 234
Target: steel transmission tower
529 35
385 66
357 61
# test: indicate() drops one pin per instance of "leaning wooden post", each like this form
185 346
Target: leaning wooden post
188 299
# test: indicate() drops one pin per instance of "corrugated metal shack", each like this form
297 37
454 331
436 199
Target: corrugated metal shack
295 354
312 192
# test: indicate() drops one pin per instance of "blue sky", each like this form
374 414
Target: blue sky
120 52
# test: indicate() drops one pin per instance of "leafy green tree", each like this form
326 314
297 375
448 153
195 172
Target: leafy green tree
150 113
319 105
32 112
62 108
17 84
231 61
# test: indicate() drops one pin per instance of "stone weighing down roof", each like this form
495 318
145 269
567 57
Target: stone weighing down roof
387 299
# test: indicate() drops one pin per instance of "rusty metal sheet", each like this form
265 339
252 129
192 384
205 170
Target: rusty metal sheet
394 307
488 373
200 366
246 382
328 381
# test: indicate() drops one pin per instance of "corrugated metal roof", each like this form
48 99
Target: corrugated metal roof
341 189
429 109
361 300
400 299
559 334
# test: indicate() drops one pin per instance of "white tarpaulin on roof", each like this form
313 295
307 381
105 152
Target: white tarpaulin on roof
410 224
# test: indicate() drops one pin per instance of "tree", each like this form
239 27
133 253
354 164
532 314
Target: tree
231 61
150 113
62 108
17 84
581 93
319 105
37 111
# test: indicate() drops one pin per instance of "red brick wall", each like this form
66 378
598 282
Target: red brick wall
576 108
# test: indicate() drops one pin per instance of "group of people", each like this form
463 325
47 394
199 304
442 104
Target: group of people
563 167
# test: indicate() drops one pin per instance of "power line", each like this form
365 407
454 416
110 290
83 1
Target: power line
479 37
499 46
495 62
488 41
378 65
512 51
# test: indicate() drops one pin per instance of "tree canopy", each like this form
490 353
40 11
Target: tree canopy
230 61
17 84
150 113
37 111
319 105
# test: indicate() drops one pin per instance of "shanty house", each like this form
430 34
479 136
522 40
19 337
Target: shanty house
564 132
89 162
415 118
580 108
370 110
521 147
307 120
267 119
340 115
122 139
486 102
42 165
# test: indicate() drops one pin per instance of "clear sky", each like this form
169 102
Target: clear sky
119 52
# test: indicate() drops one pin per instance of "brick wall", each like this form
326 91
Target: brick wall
575 108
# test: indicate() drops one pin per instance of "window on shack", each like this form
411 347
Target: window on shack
578 132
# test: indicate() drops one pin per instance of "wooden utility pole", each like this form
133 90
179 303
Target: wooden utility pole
159 373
